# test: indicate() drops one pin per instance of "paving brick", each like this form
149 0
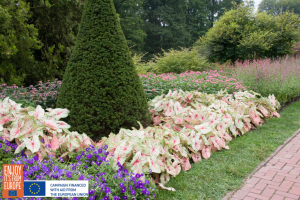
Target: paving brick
277 197
265 169
260 186
269 182
279 165
240 194
278 178
249 198
287 168
295 190
283 189
253 180
256 191
268 192
270 174
258 196
286 194
286 184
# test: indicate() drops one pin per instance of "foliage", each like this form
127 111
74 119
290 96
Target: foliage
101 87
188 125
130 14
43 94
280 77
241 34
17 41
57 22
7 152
209 82
227 170
39 132
177 61
278 6
91 165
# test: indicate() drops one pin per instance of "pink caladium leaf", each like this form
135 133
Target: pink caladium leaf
154 165
54 143
20 148
206 152
196 157
59 113
186 165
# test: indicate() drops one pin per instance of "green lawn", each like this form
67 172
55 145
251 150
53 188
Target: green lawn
225 170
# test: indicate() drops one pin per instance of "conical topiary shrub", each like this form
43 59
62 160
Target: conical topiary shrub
101 87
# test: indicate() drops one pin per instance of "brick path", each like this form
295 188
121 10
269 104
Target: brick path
276 179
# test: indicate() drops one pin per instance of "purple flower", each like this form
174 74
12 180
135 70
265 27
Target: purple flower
121 185
150 171
123 190
69 174
100 151
91 192
55 168
7 143
30 161
133 192
75 198
36 158
78 157
146 182
124 197
82 153
148 193
81 177
36 168
0 145
106 198
91 197
19 162
137 176
107 190
74 168
89 156
116 198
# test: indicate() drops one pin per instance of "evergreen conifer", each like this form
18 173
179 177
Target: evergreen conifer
101 87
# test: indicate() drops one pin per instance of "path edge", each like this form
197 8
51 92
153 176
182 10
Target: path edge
230 194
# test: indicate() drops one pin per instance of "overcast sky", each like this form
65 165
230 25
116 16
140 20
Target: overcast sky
257 2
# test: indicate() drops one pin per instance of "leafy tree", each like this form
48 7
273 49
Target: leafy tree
101 87
17 41
57 22
241 34
165 25
130 14
278 6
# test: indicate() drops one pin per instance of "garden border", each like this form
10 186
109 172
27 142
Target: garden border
230 194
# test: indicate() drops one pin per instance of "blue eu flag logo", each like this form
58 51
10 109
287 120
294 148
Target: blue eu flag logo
12 193
34 188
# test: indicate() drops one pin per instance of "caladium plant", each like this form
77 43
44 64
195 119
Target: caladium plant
188 125
39 132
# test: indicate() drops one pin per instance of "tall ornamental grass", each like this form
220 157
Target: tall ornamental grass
279 77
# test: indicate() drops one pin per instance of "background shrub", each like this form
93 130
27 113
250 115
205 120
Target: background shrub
241 34
178 61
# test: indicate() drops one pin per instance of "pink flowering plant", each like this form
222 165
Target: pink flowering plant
188 125
90 164
207 82
43 94
280 77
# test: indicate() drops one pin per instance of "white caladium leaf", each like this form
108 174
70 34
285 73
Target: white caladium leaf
153 164
20 147
203 128
59 113
33 145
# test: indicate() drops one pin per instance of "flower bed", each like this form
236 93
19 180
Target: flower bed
188 125
92 165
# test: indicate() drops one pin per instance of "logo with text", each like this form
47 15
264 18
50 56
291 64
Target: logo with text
12 180
34 188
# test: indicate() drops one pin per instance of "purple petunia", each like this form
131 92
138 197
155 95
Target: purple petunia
123 190
55 168
121 185
0 145
89 156
107 190
36 158
69 174
99 150
116 198
124 197
133 192
105 198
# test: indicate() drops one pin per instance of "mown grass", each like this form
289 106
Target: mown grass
225 170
